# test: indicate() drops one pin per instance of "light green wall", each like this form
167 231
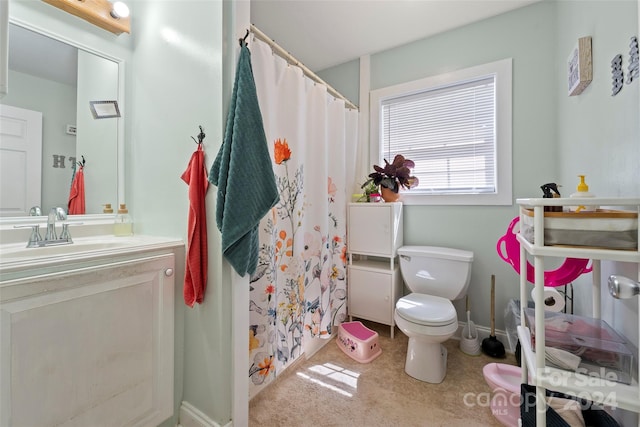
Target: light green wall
554 137
599 136
177 85
528 36
344 78
57 102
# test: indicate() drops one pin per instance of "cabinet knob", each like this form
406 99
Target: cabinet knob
168 272
386 298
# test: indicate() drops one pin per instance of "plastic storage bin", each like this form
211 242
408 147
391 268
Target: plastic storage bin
512 321
358 342
604 352
603 228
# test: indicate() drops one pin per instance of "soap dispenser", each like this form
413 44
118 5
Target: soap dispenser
582 191
124 224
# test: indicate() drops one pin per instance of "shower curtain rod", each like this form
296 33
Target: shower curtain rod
292 60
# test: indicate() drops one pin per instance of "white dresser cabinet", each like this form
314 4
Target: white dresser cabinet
374 235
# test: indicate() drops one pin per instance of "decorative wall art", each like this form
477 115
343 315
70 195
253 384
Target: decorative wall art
617 75
580 70
634 70
59 160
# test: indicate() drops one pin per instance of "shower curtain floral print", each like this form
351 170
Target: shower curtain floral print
312 291
298 293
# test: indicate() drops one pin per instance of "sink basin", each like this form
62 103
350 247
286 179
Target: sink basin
16 252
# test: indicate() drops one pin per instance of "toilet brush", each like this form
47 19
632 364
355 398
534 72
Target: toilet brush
469 342
491 346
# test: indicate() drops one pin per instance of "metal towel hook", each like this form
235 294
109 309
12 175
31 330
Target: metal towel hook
243 40
201 136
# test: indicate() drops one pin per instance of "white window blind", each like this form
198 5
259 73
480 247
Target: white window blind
450 134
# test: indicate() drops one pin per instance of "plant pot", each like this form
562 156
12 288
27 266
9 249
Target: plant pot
389 195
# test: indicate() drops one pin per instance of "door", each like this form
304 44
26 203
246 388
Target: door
20 160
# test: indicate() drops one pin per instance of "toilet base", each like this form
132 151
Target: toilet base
426 361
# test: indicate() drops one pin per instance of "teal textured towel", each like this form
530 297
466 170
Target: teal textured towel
243 173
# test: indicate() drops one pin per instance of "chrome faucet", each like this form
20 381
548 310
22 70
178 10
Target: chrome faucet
51 238
54 213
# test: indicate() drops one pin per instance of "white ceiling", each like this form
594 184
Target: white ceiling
319 33
324 33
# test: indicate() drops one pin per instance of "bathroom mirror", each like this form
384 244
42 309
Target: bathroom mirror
59 80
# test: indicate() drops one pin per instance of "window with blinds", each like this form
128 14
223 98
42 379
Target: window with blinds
449 133
456 127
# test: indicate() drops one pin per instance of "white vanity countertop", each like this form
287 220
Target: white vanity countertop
17 261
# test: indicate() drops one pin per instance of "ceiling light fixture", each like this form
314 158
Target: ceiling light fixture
113 17
120 10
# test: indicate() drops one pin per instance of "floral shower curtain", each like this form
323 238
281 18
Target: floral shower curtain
298 292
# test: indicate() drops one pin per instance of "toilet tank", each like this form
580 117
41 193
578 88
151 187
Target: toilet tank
432 270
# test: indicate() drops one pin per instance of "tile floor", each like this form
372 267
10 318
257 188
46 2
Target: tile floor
331 389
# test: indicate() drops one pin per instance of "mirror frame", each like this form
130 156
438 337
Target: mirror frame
120 167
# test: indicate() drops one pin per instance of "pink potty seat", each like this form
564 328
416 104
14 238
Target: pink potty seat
504 381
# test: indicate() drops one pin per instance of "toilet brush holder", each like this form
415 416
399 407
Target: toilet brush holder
470 346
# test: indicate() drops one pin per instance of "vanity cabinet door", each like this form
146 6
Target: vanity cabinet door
89 347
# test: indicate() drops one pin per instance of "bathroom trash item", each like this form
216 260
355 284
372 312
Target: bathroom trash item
358 342
491 346
469 341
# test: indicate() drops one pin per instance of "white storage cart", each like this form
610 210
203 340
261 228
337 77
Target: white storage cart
533 360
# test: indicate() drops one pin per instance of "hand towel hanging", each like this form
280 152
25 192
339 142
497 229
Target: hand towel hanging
195 275
243 173
76 204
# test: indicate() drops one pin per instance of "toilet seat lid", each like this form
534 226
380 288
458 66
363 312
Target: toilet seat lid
428 310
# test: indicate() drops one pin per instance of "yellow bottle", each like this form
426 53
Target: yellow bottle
123 225
582 191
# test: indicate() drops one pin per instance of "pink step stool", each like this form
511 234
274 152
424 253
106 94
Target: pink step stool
358 342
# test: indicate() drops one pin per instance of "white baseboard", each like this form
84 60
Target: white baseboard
190 416
484 332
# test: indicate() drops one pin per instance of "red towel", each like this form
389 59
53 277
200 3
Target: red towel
195 275
76 204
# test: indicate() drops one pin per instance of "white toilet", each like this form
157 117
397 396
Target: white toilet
435 276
